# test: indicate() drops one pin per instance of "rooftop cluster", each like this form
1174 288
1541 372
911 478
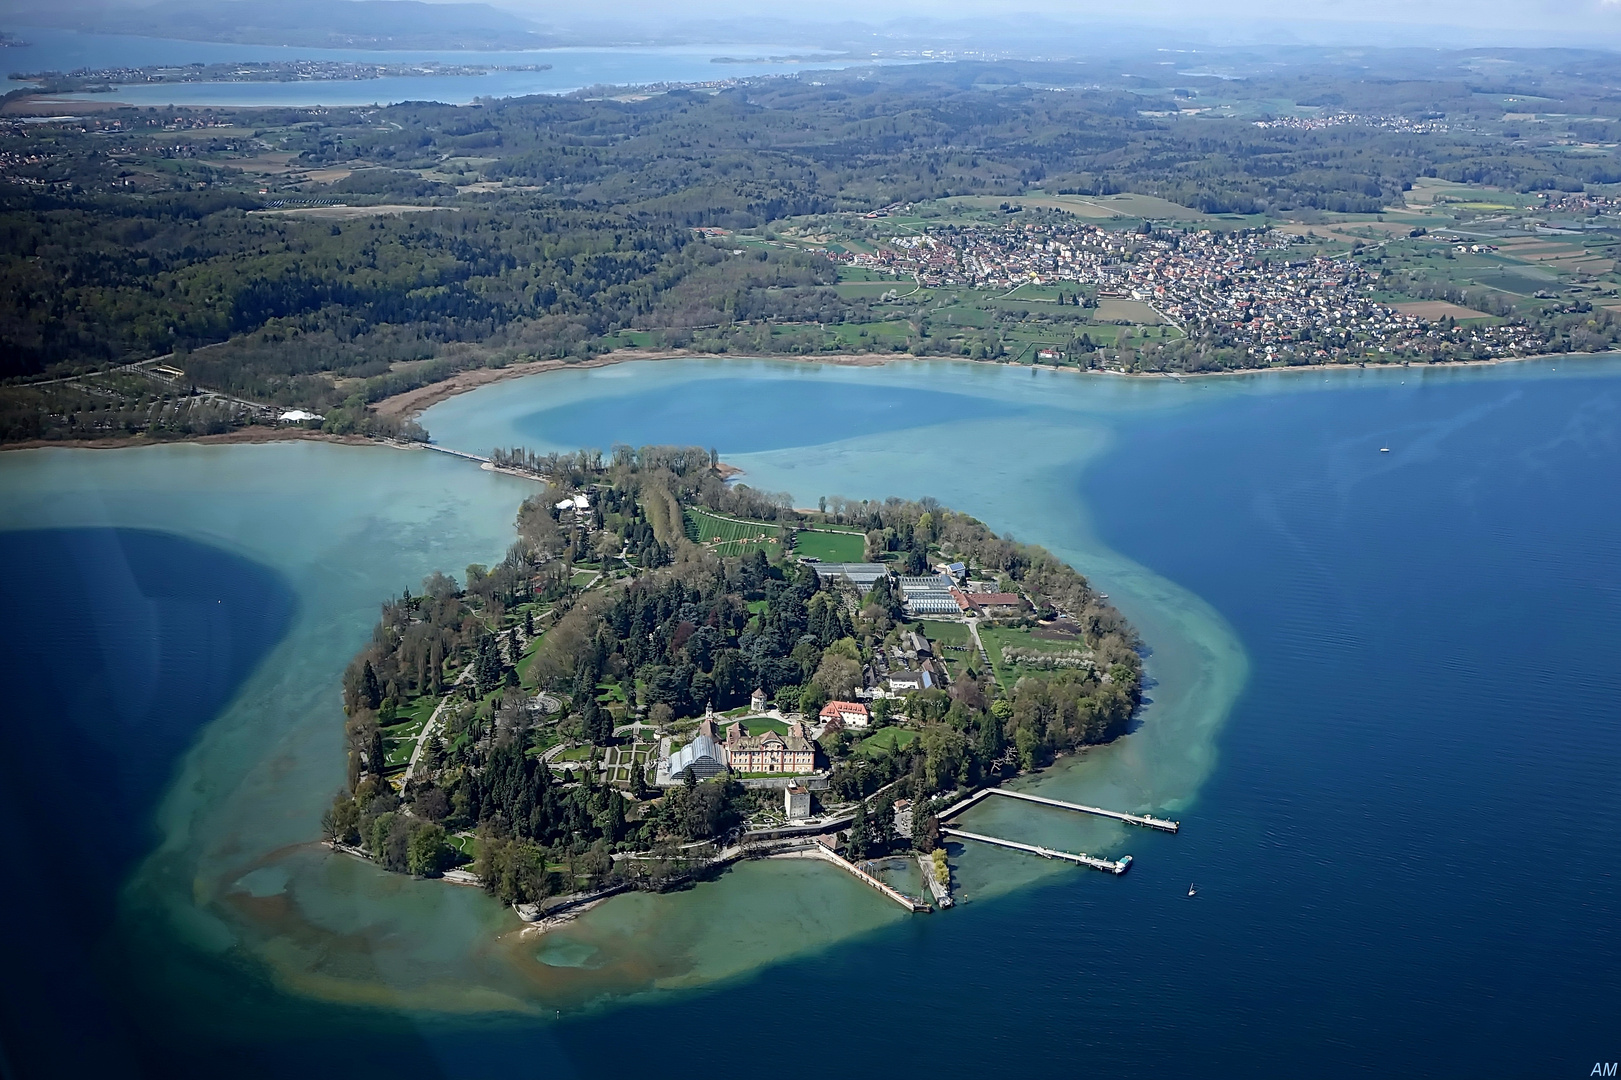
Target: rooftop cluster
1240 288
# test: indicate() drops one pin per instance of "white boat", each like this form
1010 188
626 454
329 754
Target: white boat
1384 449
1191 890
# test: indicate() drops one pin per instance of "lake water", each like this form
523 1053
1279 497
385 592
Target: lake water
570 69
1382 703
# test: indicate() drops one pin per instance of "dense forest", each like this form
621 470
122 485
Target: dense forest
520 661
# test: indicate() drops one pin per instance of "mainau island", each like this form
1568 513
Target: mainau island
669 672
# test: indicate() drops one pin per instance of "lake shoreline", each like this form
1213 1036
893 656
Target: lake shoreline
253 434
411 404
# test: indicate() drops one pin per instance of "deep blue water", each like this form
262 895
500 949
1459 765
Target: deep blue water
119 646
1407 854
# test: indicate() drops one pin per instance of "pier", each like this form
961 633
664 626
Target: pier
894 894
1144 820
1119 866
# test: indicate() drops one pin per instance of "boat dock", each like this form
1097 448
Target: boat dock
1108 866
1144 820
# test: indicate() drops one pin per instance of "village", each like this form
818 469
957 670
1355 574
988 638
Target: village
1250 288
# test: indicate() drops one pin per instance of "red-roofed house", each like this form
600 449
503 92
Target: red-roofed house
852 714
996 602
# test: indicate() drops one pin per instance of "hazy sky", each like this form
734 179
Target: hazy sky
1510 22
1463 23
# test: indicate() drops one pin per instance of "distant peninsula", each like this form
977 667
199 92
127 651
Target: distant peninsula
668 672
105 80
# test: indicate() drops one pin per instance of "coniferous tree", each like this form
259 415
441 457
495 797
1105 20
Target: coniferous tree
376 753
371 691
859 840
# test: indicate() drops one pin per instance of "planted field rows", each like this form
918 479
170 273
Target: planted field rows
728 536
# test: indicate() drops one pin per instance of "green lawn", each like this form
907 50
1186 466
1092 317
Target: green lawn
884 741
759 725
830 546
947 633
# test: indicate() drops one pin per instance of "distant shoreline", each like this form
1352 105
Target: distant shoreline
411 404
253 434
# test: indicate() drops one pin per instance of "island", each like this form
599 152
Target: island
670 671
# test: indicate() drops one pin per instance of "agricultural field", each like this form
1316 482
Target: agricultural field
1111 309
731 536
1096 207
996 638
953 646
829 545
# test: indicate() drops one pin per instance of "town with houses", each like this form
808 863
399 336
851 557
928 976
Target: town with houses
1255 289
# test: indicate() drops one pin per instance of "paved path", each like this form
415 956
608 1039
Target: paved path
432 724
973 632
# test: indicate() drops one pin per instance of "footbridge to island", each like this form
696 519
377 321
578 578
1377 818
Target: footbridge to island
1144 820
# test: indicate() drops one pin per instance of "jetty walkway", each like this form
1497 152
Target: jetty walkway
1144 820
894 894
1107 865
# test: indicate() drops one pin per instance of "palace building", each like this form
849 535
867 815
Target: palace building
770 752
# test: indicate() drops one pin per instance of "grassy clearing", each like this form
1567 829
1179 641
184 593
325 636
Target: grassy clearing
946 633
759 725
1111 309
884 741
870 290
830 546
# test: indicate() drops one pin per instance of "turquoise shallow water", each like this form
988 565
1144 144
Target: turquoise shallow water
1348 649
